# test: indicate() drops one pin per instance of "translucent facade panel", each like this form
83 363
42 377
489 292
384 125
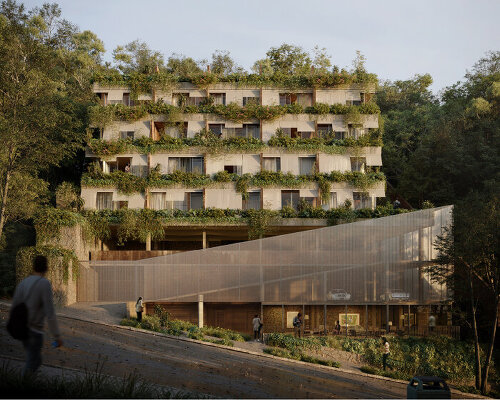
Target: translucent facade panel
376 261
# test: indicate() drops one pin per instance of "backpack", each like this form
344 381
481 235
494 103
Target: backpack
18 320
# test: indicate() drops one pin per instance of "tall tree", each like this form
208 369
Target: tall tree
136 56
223 64
181 65
289 59
472 247
43 91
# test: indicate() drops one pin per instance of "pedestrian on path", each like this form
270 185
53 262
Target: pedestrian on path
387 353
257 325
35 292
139 308
297 325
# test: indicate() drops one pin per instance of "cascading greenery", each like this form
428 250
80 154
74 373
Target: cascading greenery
128 183
209 143
101 116
139 224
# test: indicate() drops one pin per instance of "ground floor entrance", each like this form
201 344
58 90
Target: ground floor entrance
319 319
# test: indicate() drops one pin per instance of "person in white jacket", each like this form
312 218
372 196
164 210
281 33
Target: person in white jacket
36 292
139 308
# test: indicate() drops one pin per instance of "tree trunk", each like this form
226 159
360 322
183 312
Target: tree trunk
3 205
477 355
484 383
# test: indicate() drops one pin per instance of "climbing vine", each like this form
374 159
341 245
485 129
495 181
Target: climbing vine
59 261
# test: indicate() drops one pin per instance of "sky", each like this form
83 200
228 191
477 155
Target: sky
399 38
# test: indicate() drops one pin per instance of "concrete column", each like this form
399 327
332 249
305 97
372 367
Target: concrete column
346 326
204 239
366 318
325 320
200 311
387 318
409 319
283 317
148 242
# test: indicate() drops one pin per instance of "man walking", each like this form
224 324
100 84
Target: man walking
36 292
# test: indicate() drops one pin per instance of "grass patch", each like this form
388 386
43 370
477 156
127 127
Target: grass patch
90 385
298 355
160 323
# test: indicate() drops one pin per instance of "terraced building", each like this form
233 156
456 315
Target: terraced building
229 146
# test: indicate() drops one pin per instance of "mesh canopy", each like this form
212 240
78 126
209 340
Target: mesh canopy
367 262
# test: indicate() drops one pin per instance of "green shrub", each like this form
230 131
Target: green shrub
292 343
130 322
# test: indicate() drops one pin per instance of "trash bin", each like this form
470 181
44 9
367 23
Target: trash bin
427 387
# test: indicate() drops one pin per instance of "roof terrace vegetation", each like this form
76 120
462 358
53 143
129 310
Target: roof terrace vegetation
286 66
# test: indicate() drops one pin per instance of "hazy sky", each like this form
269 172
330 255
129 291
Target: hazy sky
399 38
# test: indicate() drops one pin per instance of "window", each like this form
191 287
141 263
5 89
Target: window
175 205
216 129
185 164
305 135
250 100
127 101
183 99
290 198
361 200
324 130
233 169
127 135
306 165
332 200
218 98
287 98
158 200
96 133
253 201
358 164
304 99
353 102
290 132
104 201
356 130
311 201
195 200
272 164
103 98
120 205
248 131
339 135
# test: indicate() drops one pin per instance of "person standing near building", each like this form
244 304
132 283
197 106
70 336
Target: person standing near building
256 327
36 292
386 353
139 308
432 323
297 325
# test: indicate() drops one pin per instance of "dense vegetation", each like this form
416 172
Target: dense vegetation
433 356
440 149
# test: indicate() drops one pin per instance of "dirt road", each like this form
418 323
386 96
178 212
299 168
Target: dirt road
196 367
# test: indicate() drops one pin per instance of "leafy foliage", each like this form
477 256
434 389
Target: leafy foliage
60 260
